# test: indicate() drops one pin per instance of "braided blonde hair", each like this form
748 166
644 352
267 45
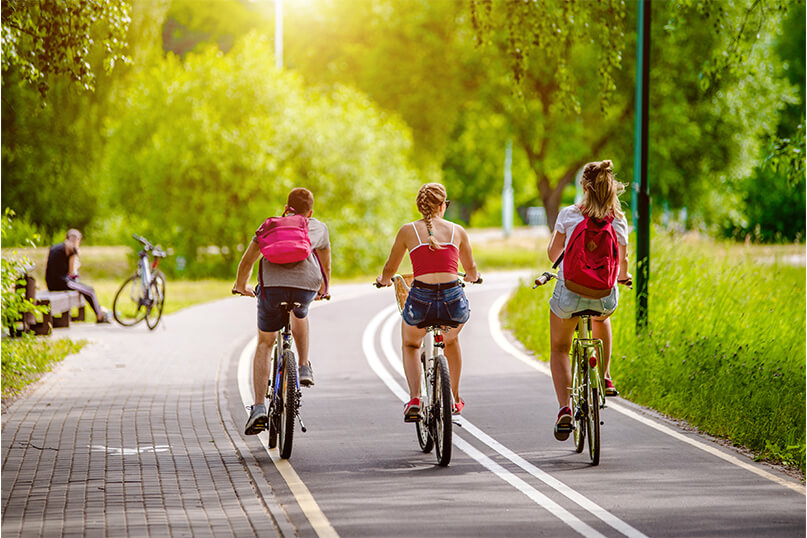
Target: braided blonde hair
430 197
602 191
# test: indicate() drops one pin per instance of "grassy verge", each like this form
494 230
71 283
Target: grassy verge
25 359
724 348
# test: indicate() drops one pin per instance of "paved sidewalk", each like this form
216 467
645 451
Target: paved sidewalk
126 438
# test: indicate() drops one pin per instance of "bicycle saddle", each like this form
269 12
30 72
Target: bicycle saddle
438 323
592 313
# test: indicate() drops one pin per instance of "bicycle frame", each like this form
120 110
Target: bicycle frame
284 343
587 352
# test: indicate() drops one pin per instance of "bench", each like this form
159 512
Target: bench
59 305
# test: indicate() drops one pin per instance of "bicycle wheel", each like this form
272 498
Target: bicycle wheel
441 411
593 420
155 312
129 305
578 402
422 426
288 409
270 399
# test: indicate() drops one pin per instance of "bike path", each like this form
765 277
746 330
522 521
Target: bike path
363 467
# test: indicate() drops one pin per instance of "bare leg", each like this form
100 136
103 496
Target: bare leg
412 337
454 358
299 329
561 334
601 328
261 365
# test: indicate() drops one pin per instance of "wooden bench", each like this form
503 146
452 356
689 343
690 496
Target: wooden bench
59 304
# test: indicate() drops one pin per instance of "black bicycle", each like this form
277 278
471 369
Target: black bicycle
142 295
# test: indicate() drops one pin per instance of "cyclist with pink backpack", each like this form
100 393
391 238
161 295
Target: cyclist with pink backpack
591 241
294 255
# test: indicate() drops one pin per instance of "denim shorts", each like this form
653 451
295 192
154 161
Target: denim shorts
271 317
424 305
564 303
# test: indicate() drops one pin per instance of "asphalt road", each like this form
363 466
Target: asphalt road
358 471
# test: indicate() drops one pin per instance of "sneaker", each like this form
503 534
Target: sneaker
610 389
457 407
563 426
306 375
258 420
412 410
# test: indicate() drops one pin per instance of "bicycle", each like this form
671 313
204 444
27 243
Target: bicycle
142 295
434 429
588 382
283 390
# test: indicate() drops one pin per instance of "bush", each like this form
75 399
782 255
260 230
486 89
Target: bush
724 348
23 359
14 267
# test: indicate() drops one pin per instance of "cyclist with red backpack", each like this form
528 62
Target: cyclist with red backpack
591 241
294 255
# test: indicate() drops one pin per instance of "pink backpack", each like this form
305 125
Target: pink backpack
591 258
284 239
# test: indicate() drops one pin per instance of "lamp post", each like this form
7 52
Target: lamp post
640 202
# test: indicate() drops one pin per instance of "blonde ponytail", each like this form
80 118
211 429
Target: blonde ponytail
430 197
602 191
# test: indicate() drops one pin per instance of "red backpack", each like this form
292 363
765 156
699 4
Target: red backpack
591 258
284 239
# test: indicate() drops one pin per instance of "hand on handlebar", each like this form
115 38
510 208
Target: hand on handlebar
247 292
627 281
379 284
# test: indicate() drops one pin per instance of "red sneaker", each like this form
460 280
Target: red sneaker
412 410
563 426
610 389
457 407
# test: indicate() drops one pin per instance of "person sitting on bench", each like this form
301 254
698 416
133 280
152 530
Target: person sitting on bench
61 273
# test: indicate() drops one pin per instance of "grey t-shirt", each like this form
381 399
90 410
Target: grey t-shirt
304 275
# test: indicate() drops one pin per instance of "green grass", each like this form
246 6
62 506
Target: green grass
25 359
724 349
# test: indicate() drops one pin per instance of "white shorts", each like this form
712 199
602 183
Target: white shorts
564 303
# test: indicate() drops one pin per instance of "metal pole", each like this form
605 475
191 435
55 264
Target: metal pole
640 202
279 34
507 191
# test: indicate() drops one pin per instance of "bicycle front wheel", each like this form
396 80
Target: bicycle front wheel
129 306
288 412
593 420
155 312
441 411
422 426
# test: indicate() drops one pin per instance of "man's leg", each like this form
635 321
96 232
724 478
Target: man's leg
89 293
261 368
299 329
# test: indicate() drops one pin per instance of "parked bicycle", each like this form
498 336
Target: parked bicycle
142 295
588 383
435 427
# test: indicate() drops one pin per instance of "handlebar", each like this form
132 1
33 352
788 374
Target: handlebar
255 291
547 276
462 275
156 251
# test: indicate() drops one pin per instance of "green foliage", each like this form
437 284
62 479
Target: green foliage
41 39
25 358
725 347
14 267
204 150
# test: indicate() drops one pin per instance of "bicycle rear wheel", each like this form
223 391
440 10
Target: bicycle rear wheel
422 426
578 402
129 306
441 411
154 313
288 386
593 420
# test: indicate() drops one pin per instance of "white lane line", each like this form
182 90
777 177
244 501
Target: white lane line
302 495
504 343
536 496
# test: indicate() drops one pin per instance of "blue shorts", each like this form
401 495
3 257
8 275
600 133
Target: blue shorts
564 302
271 317
424 305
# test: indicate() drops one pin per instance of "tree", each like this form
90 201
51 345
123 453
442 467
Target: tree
41 39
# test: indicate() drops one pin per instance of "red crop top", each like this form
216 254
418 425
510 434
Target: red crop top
425 260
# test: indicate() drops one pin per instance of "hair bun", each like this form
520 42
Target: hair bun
606 165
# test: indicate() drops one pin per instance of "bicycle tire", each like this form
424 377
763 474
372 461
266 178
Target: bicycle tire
593 423
425 439
578 407
128 308
441 411
273 410
288 409
155 312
